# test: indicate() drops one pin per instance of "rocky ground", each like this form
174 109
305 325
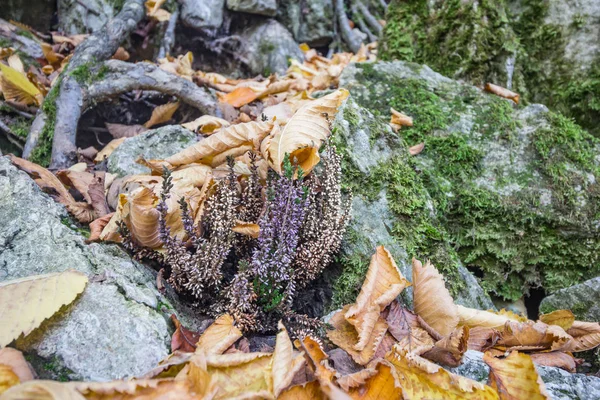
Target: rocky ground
504 198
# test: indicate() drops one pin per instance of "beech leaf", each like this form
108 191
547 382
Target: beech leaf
27 302
124 131
432 301
562 318
16 87
515 377
219 336
206 124
305 132
162 114
240 97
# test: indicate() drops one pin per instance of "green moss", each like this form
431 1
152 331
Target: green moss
514 240
459 38
43 150
117 4
20 127
27 34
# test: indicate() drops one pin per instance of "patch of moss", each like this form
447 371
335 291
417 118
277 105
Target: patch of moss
514 240
20 127
43 150
458 38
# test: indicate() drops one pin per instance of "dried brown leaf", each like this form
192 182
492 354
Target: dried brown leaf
219 336
502 92
586 336
556 359
515 377
183 339
124 131
162 114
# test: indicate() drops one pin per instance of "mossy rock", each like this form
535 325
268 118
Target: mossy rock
391 207
514 189
548 51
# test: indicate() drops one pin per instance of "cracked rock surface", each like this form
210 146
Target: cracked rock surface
111 331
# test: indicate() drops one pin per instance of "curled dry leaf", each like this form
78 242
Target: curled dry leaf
29 301
247 228
416 149
124 131
285 364
562 318
502 92
108 149
422 379
231 137
586 336
383 283
46 390
482 339
450 349
515 377
206 124
398 120
97 226
305 132
52 185
318 360
141 217
532 335
183 339
219 336
432 301
345 336
556 359
162 114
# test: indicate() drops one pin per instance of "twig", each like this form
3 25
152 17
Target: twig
16 110
369 18
362 25
88 8
349 37
169 38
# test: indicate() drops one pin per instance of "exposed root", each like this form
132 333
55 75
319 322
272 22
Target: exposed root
169 38
350 37
371 21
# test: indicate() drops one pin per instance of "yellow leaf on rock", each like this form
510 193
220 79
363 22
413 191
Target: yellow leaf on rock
231 137
422 379
380 386
515 377
27 302
240 375
562 318
16 87
162 114
432 301
556 359
42 390
382 285
219 336
532 335
305 132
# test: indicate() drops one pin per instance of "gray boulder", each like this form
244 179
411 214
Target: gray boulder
154 144
261 7
267 46
560 384
309 21
114 329
368 143
583 299
200 14
76 17
514 189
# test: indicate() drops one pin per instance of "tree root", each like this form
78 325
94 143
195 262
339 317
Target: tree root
371 21
96 48
169 38
348 35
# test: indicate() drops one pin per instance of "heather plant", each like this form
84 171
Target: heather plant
301 221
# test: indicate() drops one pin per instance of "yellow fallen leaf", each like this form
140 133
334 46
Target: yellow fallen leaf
562 318
16 87
42 390
240 375
305 132
108 149
219 336
432 301
318 360
247 228
206 124
8 378
382 285
308 391
27 302
162 114
502 92
422 379
515 377
382 385
478 318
